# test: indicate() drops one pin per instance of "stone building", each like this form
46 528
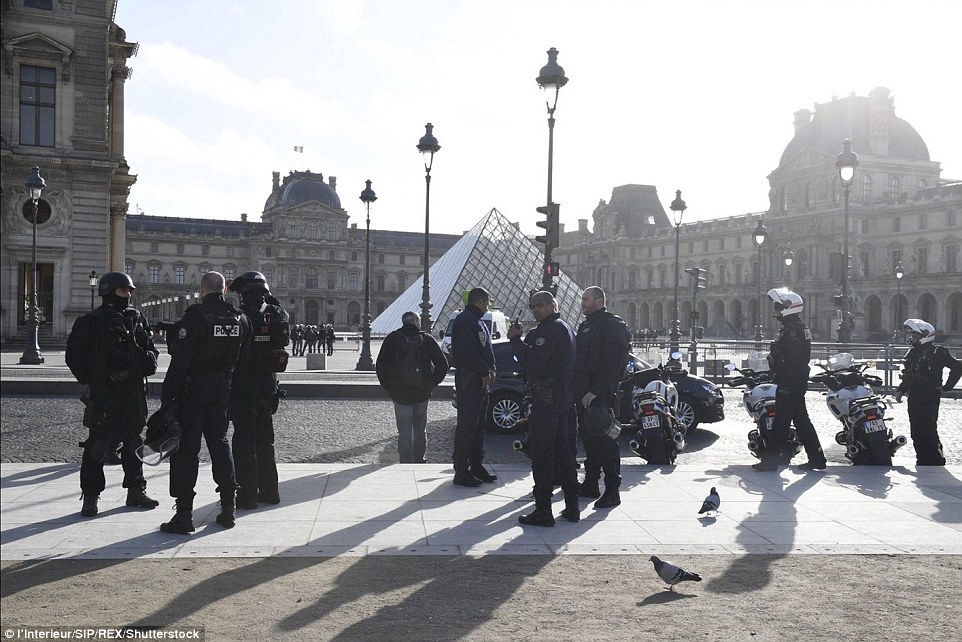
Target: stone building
64 65
901 211
312 256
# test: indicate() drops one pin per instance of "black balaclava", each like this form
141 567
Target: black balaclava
118 303
254 297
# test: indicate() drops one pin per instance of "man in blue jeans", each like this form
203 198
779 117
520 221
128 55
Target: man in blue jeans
409 366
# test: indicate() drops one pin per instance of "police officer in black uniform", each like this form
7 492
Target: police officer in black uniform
547 355
254 392
922 382
789 356
111 351
603 343
211 339
474 362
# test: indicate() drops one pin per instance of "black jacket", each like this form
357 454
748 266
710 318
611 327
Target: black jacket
471 342
547 355
404 390
603 344
924 364
790 353
107 348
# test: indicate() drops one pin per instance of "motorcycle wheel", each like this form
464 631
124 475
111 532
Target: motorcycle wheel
656 451
881 453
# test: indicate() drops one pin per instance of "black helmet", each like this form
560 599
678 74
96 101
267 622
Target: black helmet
249 281
113 280
162 437
600 421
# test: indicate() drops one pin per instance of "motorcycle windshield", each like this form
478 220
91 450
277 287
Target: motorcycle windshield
758 361
841 361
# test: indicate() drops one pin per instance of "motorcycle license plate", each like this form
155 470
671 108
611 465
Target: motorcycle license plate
768 422
874 425
650 421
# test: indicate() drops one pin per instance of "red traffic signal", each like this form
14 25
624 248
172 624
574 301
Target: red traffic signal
552 269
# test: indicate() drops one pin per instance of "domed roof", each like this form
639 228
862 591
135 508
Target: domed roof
302 187
852 117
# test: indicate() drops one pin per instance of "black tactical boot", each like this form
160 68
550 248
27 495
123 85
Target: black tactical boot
268 498
226 517
182 522
610 499
246 502
572 510
137 498
89 508
540 516
478 471
462 474
589 487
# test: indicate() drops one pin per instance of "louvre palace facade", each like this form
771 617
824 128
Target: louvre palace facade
901 211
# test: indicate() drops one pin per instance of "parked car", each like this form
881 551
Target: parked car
699 400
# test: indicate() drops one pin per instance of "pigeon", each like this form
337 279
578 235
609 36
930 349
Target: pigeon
711 503
673 574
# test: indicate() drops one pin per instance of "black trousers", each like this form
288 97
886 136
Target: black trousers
549 445
469 434
126 416
253 447
601 453
924 421
790 408
203 414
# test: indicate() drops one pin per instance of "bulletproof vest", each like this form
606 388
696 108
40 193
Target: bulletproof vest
223 337
120 340
271 336
920 369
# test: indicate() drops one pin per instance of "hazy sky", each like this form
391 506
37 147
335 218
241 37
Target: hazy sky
697 96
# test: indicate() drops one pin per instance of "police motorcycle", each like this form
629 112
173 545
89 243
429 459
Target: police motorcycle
654 404
850 398
758 398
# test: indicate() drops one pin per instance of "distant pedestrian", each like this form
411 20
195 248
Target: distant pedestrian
330 336
922 382
111 351
410 365
473 358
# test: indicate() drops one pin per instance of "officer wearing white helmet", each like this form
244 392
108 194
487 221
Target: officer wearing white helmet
789 357
922 382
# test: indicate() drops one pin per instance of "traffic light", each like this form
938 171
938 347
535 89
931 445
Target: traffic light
699 281
552 269
550 237
838 300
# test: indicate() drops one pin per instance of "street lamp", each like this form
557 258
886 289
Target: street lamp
428 145
92 279
789 258
759 234
846 162
551 79
365 362
31 352
899 273
678 208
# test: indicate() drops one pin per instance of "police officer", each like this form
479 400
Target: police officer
111 351
603 343
789 356
254 392
474 370
211 339
547 355
922 382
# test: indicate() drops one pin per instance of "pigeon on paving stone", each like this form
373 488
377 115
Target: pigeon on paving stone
711 503
672 574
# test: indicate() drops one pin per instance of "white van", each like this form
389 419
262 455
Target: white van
494 319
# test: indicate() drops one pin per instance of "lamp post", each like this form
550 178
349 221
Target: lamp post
428 145
788 257
551 79
678 208
92 279
31 352
365 362
899 273
759 234
846 162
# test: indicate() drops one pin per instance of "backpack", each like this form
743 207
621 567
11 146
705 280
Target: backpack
411 368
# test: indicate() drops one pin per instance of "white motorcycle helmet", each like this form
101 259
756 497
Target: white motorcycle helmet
923 328
785 302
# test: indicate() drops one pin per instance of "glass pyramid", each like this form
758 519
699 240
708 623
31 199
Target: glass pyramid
496 256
